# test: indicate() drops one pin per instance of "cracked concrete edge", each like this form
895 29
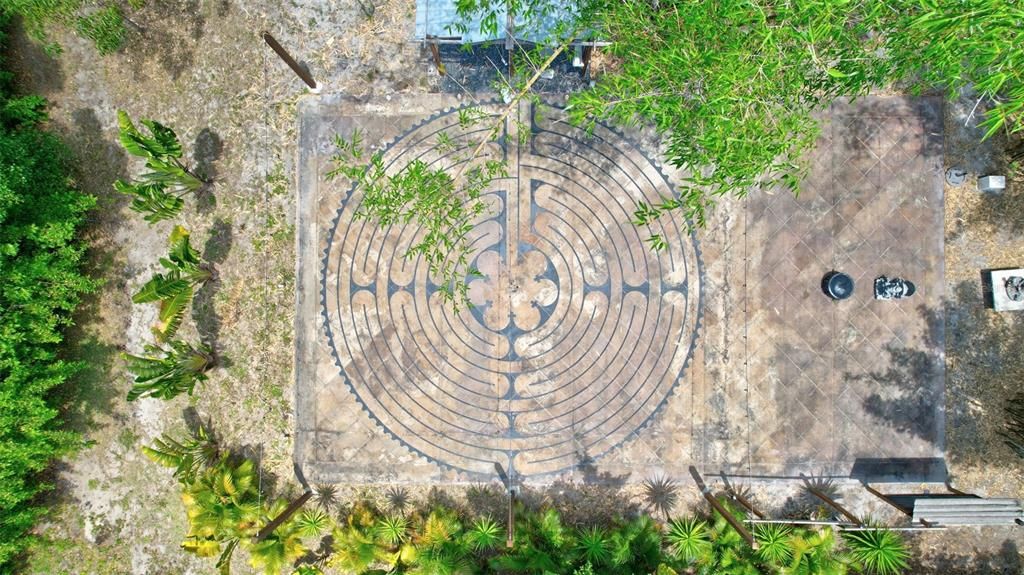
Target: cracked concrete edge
304 365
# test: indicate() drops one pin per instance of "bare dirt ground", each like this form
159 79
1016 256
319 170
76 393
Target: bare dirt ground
201 67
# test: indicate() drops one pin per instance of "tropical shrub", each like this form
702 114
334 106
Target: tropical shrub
175 288
222 505
157 193
877 551
41 284
98 20
188 456
226 510
281 547
167 372
732 85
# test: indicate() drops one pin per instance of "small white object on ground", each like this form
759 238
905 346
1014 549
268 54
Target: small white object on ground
992 184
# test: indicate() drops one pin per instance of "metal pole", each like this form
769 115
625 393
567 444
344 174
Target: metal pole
722 510
299 70
833 504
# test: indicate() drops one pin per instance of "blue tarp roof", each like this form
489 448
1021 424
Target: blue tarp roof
438 18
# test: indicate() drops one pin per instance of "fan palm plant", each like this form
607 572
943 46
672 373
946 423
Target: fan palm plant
774 543
543 544
878 551
283 545
354 549
441 545
159 191
392 530
484 534
313 523
688 539
175 288
188 456
730 553
815 553
636 546
222 506
168 372
593 546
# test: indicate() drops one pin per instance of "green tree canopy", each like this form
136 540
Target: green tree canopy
40 286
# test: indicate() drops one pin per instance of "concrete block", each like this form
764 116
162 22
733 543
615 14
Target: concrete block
992 184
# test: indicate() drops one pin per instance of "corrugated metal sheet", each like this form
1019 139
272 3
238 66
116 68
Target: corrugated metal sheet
438 18
967 511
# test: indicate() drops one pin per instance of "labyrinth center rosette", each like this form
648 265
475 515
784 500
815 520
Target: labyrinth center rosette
578 332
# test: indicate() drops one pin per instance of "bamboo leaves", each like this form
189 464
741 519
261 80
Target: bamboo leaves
445 206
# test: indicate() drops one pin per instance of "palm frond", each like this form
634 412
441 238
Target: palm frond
313 523
688 539
483 534
774 543
392 529
879 551
593 546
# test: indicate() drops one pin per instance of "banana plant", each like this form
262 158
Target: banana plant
188 456
175 288
166 373
157 193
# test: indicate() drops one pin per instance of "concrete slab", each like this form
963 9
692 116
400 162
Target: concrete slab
588 356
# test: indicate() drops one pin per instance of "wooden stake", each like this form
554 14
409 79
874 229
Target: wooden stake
741 499
736 524
277 521
831 503
299 70
886 499
436 53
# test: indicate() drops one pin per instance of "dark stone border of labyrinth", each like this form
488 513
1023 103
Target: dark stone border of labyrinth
693 335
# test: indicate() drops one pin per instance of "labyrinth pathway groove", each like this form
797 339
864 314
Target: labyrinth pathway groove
578 333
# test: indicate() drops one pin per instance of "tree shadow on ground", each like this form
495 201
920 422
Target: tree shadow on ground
206 151
807 505
36 72
99 162
1005 561
911 398
170 31
983 352
874 128
92 391
204 313
596 498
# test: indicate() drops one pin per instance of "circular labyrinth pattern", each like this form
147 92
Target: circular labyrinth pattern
578 333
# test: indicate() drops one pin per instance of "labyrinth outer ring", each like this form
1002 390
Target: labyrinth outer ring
508 380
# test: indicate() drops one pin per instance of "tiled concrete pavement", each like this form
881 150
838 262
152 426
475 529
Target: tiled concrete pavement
589 355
